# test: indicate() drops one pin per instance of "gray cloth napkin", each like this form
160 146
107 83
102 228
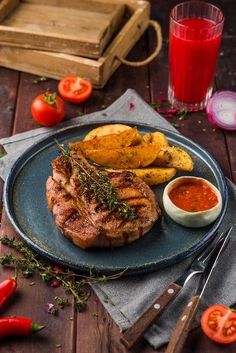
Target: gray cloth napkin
127 298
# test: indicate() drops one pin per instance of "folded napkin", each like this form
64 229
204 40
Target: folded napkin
127 298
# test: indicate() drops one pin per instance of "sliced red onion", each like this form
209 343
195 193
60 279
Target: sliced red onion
221 109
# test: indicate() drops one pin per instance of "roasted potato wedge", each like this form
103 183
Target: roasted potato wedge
174 157
124 158
128 137
154 176
106 130
156 137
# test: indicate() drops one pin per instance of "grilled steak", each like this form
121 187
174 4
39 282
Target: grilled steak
89 223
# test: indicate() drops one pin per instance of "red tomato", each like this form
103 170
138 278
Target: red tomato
218 322
48 109
75 89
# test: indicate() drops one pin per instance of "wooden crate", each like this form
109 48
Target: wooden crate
79 27
98 71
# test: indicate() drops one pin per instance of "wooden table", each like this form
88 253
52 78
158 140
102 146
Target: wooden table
93 330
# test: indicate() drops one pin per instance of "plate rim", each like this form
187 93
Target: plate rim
135 269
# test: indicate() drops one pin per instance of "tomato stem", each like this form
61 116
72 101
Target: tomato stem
50 98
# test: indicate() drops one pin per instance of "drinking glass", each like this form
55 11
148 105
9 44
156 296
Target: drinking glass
195 36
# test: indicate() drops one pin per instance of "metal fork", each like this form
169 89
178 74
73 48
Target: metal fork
198 265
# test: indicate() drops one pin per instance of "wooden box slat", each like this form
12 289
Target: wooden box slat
58 65
83 28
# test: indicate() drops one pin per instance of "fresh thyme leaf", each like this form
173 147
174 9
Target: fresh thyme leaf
2 151
94 183
156 105
175 125
41 79
166 41
79 113
182 114
61 302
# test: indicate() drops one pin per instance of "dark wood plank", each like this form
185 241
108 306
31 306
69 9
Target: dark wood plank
31 301
8 93
231 149
103 332
226 80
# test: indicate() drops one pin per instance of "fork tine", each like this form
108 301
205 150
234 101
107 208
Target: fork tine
204 255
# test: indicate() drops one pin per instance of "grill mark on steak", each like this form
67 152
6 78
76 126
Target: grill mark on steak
88 223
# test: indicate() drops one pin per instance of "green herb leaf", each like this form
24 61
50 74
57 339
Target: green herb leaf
62 302
41 79
74 284
2 151
156 105
94 183
50 98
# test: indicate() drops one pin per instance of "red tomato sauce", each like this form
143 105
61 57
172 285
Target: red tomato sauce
193 196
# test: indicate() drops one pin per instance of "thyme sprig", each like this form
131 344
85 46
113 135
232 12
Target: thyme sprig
95 183
40 79
27 262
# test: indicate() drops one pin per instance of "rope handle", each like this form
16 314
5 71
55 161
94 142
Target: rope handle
157 29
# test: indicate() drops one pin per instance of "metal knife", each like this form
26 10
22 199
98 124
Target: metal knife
131 336
181 330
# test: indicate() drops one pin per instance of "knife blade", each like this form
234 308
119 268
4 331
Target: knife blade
183 325
131 336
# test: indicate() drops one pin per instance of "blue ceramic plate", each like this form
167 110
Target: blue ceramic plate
166 243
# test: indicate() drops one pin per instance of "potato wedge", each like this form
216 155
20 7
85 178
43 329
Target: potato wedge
106 130
154 176
128 137
156 137
124 158
174 157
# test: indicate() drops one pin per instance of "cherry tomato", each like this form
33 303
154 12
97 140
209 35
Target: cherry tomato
218 322
75 89
48 109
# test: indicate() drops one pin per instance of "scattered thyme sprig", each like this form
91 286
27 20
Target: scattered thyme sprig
163 107
2 151
95 183
29 263
40 79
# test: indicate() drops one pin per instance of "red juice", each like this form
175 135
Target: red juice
193 53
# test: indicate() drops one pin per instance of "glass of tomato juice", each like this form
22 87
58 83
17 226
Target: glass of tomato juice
195 36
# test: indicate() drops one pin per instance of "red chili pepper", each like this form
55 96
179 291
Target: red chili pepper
7 288
18 326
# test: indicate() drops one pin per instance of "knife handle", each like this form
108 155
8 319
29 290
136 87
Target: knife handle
181 330
136 331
